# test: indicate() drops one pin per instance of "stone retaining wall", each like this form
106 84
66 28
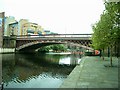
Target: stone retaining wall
7 50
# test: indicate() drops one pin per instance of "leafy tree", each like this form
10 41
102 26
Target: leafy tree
113 13
57 47
106 30
44 49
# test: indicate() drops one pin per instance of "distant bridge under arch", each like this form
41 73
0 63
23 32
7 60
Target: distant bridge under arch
31 43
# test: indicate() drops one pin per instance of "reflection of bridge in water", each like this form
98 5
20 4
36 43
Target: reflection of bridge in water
31 43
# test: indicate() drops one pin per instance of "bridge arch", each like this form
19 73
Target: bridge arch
32 46
31 43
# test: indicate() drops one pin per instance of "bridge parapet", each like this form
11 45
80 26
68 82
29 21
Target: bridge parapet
56 35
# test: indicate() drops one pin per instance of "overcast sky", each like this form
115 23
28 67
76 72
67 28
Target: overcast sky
60 16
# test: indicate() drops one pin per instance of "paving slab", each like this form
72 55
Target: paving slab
92 73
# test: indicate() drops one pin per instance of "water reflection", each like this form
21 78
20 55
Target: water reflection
36 70
65 61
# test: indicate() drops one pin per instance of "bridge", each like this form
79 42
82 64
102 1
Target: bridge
33 42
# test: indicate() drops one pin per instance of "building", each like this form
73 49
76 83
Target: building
21 24
2 15
49 32
13 29
29 28
8 20
23 27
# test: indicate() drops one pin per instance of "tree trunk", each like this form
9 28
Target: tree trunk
108 52
118 50
103 54
100 52
111 55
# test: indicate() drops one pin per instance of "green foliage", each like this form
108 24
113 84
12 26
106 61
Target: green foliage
57 47
44 49
106 30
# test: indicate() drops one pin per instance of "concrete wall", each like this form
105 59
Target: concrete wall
9 43
7 50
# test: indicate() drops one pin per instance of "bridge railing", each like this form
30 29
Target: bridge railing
55 35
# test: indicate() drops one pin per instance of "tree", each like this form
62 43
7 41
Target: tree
100 30
44 49
106 30
113 13
59 47
56 47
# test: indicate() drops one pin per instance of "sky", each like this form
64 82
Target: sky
59 16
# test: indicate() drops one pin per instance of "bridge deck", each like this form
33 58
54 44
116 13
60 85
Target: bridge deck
56 36
53 38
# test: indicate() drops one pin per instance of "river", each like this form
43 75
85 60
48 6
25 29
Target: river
36 70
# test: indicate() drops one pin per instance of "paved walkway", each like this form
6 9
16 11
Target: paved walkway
91 73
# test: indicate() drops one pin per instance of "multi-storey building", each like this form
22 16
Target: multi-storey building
13 29
8 20
28 28
23 27
21 24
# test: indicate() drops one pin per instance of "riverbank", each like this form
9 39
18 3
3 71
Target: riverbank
59 53
91 73
7 50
